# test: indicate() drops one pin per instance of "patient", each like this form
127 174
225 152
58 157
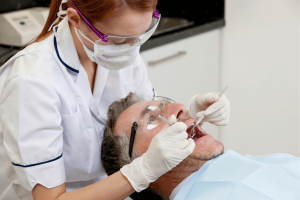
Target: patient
208 173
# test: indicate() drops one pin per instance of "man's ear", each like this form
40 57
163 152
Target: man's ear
74 17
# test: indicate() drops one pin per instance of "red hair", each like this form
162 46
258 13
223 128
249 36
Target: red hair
95 10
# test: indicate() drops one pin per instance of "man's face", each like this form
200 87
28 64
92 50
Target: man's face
206 146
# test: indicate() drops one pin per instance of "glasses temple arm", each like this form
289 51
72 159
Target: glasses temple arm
99 34
132 136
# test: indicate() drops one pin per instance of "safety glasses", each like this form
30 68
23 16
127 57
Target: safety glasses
117 40
149 116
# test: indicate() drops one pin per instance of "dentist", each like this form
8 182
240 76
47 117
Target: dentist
54 97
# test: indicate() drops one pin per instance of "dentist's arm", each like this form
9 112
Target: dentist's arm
114 187
166 150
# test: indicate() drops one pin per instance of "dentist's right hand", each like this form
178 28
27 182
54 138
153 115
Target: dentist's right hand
166 150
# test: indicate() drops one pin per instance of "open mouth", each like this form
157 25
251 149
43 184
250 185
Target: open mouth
194 133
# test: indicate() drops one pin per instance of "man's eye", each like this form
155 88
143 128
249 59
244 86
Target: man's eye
151 120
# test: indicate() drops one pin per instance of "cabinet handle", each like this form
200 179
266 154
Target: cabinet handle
151 63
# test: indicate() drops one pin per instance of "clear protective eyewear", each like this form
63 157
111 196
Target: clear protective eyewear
118 40
147 116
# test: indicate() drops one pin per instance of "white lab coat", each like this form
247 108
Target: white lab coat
52 123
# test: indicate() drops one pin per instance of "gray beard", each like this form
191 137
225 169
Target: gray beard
194 163
208 156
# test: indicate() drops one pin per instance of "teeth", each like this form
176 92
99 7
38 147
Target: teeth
193 132
191 125
193 135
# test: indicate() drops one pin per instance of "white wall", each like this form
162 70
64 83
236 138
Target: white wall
260 63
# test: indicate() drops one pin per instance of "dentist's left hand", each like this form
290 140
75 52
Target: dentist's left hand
215 109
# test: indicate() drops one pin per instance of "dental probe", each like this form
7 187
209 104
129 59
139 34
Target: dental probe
223 91
160 117
200 119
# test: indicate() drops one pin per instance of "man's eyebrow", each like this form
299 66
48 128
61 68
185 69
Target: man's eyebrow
147 110
161 105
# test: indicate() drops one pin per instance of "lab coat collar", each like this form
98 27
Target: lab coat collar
100 83
65 47
67 55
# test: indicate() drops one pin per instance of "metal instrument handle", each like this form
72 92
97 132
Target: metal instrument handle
152 63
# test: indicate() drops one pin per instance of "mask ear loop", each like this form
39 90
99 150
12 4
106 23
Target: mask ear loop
59 14
87 49
88 39
54 25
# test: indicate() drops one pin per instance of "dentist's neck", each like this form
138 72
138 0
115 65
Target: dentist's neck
84 59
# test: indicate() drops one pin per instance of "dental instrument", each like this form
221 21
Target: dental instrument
223 91
160 117
200 119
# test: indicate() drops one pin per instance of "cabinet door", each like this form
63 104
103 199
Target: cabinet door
194 72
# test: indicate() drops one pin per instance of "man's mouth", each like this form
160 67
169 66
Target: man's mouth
194 133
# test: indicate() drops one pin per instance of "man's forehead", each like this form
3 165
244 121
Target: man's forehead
132 114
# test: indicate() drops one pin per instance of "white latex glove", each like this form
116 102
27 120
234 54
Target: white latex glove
166 150
215 109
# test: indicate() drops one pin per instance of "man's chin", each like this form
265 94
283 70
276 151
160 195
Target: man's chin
203 152
207 148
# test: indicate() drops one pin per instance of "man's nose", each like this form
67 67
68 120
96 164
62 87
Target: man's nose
176 109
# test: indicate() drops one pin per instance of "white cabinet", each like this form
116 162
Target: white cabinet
195 71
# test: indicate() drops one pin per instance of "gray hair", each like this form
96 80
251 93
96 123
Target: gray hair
115 146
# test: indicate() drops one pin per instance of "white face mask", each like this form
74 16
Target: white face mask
112 57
